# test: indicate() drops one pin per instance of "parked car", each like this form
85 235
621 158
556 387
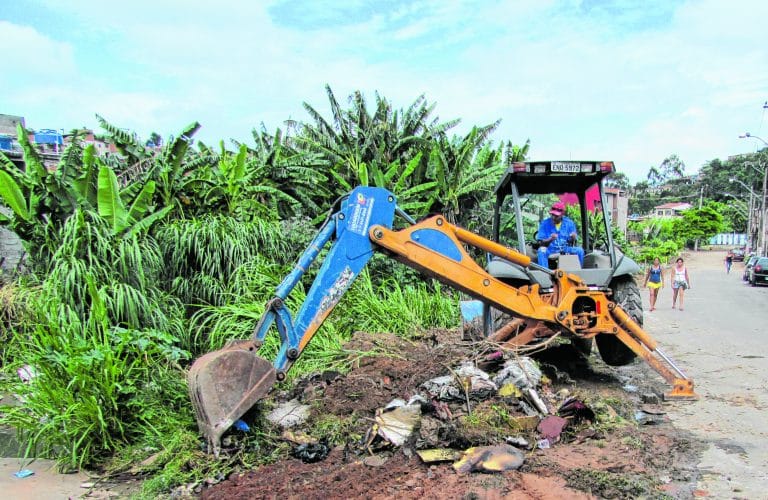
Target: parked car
758 274
738 254
748 266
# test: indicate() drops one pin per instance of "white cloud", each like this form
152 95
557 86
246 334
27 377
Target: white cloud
632 84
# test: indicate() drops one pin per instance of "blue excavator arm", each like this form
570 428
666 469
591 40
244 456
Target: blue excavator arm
352 249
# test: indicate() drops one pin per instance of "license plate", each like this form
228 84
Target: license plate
566 166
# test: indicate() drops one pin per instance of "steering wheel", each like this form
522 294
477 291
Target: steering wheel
535 241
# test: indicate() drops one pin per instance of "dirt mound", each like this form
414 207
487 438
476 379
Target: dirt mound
610 457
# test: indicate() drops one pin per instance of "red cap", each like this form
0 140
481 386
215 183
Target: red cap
558 208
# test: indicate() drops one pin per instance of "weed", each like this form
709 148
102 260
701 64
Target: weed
607 484
337 430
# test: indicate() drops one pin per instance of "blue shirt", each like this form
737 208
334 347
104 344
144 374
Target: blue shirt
547 228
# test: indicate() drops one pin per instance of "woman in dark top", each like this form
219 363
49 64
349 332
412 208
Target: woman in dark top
654 280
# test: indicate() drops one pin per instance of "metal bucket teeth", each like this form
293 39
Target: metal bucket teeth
225 384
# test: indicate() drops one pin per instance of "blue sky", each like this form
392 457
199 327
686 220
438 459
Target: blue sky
624 80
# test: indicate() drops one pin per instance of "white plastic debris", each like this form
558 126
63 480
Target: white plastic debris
26 373
447 387
523 372
396 423
289 414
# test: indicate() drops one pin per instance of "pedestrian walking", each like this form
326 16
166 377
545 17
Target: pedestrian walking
680 281
728 261
654 281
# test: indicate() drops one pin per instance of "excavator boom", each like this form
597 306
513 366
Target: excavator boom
224 384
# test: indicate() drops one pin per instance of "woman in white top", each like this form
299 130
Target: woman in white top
680 282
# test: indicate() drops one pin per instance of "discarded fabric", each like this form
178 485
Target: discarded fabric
448 388
23 473
289 414
550 428
523 372
498 458
396 424
438 455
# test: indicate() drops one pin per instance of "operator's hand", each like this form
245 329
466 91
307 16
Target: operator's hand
553 237
573 236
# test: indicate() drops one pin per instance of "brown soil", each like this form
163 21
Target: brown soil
591 460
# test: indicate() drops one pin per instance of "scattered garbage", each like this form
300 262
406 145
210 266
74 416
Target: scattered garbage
523 372
465 381
375 460
585 434
23 473
297 437
518 442
396 423
576 410
289 414
543 444
438 455
241 426
650 398
499 458
645 418
536 400
26 373
310 453
524 424
510 389
551 427
630 388
87 486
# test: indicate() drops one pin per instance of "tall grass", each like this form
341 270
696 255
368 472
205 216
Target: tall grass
382 307
201 255
94 387
102 342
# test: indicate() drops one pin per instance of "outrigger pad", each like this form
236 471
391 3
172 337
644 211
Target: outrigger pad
225 384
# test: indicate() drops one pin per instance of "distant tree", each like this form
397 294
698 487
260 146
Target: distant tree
671 168
155 140
699 223
617 180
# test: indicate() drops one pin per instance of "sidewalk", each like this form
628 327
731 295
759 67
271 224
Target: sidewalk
45 483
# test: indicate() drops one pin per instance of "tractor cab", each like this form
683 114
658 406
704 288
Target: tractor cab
524 195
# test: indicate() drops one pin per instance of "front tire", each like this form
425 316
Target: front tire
626 294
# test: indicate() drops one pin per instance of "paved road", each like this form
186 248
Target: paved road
720 341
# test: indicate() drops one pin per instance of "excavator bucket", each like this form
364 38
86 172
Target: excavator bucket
225 384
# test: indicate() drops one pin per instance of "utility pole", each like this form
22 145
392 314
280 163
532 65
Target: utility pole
701 199
764 222
750 230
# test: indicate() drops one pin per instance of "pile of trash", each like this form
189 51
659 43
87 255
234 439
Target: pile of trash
527 416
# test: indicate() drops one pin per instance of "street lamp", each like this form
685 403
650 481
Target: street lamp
763 237
739 209
752 193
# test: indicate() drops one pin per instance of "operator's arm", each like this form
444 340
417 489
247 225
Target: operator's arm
546 233
573 236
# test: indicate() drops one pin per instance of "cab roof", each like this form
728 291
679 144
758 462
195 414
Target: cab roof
545 177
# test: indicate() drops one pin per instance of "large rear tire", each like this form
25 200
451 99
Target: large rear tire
626 293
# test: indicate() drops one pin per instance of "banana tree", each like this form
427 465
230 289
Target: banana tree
126 216
38 197
465 170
